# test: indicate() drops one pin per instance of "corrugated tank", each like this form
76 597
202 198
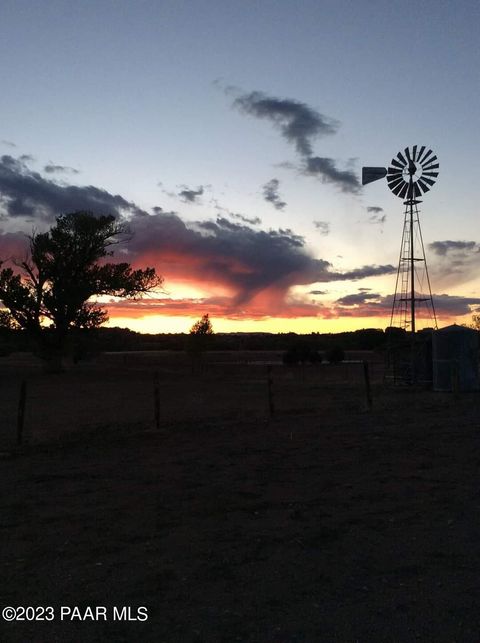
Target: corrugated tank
455 359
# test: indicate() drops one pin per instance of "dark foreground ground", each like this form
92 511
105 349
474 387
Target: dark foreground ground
336 525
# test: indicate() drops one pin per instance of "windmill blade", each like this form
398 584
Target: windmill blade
417 190
397 164
414 153
425 180
394 177
425 157
403 191
435 174
423 185
370 174
402 158
433 166
393 172
395 183
419 155
396 189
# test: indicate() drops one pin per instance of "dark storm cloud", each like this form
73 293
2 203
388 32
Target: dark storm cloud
248 261
323 227
190 196
52 169
326 170
25 193
298 123
271 195
442 248
257 267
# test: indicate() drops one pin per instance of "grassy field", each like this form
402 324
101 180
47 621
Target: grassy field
325 522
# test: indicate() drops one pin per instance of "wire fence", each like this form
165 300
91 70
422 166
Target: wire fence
160 390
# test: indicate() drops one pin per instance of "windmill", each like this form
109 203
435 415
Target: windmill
410 175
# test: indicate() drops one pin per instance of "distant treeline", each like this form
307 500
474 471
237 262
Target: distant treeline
122 339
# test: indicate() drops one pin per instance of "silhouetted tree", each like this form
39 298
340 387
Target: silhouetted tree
199 339
50 292
202 328
475 322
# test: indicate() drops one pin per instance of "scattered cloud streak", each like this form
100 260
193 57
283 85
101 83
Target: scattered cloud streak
376 219
323 227
244 219
326 170
300 125
363 304
442 248
271 195
454 262
53 169
369 271
189 195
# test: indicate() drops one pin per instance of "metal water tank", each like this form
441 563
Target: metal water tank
455 359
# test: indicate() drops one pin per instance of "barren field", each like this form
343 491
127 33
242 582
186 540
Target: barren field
324 522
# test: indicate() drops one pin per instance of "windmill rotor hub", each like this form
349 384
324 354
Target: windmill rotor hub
413 172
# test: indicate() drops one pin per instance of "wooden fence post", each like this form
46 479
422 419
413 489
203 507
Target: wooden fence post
271 406
368 391
454 376
156 399
21 412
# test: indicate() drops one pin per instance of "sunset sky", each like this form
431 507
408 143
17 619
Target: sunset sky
231 135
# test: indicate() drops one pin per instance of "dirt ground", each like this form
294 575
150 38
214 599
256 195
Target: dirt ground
326 522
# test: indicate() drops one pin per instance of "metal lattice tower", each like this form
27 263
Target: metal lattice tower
413 299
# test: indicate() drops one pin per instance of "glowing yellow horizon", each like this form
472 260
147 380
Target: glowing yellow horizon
153 324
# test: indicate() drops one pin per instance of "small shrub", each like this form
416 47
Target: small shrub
290 358
301 353
335 355
315 357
